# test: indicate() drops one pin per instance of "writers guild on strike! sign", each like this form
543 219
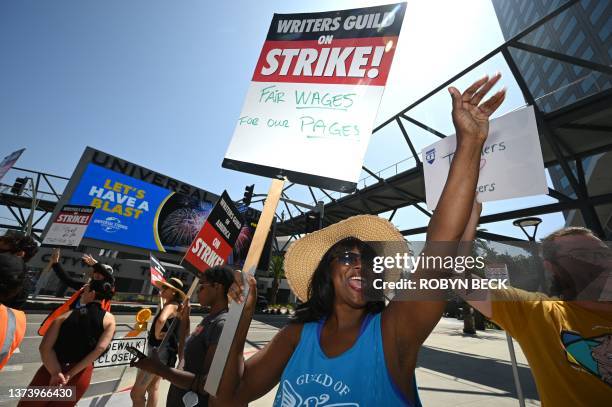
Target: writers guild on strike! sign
214 242
318 82
69 226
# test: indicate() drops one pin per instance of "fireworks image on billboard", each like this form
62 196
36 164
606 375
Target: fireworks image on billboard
179 221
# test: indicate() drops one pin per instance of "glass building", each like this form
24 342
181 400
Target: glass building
584 30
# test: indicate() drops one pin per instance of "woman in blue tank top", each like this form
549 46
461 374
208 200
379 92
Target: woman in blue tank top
346 348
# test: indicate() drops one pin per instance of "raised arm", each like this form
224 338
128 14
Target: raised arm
414 320
103 342
61 273
261 372
243 382
482 305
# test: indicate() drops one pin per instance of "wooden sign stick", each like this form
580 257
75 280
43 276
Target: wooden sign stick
250 265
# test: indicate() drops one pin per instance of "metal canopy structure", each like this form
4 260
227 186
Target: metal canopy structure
37 201
567 136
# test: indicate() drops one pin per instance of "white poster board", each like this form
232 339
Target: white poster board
69 226
511 163
309 111
117 355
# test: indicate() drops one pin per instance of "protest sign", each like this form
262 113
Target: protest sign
308 114
511 163
314 94
235 311
117 355
69 226
158 272
8 162
214 242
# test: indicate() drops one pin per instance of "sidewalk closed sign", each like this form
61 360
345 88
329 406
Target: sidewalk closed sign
117 355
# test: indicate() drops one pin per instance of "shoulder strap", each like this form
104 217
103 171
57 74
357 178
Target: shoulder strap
62 309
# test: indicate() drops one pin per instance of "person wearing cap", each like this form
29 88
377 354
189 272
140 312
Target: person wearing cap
12 320
200 346
166 323
343 349
74 341
99 271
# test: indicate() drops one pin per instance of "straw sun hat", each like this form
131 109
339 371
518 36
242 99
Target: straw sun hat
175 285
303 256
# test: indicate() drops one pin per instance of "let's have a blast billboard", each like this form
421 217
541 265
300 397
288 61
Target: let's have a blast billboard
138 210
308 114
315 92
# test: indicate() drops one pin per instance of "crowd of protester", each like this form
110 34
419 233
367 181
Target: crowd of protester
336 333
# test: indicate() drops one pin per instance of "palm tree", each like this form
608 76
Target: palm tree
277 271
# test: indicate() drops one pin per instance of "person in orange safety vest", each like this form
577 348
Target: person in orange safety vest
12 320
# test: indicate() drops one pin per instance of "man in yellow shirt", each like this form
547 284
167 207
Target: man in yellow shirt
568 342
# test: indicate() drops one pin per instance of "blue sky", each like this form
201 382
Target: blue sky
162 83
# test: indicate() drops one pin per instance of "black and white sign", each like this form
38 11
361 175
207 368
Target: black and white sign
117 355
69 226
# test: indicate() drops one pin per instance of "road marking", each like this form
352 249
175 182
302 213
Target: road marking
12 368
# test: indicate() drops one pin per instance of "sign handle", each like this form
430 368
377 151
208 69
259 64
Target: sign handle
250 265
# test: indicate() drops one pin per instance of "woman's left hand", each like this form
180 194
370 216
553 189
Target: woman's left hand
470 117
89 260
58 379
235 292
151 364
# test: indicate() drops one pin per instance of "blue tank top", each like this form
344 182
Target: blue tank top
357 377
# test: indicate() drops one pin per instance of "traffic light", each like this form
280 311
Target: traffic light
19 186
248 194
313 220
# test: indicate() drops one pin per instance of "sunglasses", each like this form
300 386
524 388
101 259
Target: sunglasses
349 258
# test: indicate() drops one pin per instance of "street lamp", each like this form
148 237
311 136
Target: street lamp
527 222
521 223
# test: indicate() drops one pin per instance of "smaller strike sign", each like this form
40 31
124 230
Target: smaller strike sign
69 226
215 241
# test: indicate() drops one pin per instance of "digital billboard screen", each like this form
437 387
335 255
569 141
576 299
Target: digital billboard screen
136 213
139 210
